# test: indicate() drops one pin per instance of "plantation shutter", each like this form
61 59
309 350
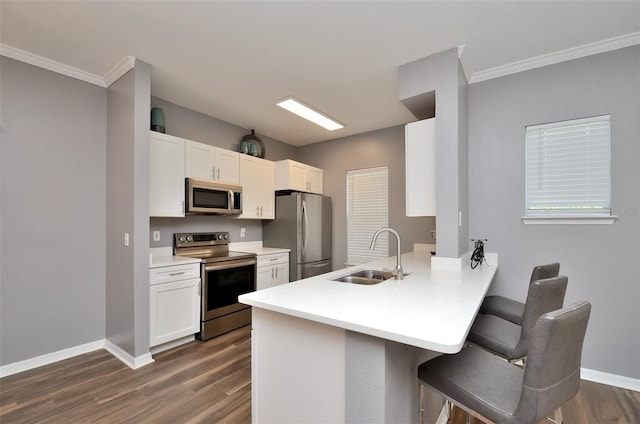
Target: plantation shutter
568 168
367 211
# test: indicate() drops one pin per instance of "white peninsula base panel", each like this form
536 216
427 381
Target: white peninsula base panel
307 372
297 370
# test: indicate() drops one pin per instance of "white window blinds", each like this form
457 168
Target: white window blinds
367 211
568 168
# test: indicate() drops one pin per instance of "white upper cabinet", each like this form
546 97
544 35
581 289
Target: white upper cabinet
420 167
211 163
296 176
257 177
166 175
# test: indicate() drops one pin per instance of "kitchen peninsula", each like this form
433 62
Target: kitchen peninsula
329 351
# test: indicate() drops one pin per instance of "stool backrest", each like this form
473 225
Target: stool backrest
540 272
552 369
544 296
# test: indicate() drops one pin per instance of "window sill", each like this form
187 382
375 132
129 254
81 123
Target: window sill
581 220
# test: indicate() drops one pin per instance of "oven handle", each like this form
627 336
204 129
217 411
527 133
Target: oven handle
230 264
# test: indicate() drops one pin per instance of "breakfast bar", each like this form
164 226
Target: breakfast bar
332 351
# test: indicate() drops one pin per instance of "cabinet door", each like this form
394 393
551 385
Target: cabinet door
281 274
166 175
315 180
174 310
249 181
266 189
263 278
199 160
420 168
226 166
291 175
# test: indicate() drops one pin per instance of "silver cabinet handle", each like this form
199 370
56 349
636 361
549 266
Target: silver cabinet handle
173 274
213 172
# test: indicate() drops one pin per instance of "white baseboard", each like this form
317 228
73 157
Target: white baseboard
130 361
172 344
610 379
49 358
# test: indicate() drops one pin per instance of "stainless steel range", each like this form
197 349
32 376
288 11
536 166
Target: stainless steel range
225 275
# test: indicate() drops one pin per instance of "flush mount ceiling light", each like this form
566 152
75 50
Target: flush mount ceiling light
294 105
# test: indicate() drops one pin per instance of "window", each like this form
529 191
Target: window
568 169
367 211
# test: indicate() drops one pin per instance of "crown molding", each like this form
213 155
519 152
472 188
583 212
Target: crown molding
51 65
127 63
557 57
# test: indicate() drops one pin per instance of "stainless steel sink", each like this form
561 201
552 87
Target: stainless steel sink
366 277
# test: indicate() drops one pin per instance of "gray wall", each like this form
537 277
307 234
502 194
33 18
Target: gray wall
601 261
192 125
127 282
52 212
441 73
377 148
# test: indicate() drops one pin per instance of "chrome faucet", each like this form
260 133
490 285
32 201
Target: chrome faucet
399 274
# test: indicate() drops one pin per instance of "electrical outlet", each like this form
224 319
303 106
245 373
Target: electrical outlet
156 236
126 239
242 232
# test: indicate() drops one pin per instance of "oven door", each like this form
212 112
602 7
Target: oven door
222 283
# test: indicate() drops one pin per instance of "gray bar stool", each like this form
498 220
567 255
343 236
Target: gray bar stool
510 340
510 309
493 390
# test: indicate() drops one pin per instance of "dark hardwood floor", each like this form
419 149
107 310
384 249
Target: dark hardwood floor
202 383
194 383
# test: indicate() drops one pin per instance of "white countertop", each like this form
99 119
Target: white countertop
163 256
428 309
256 247
262 250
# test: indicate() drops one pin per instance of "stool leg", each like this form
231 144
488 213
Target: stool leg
558 416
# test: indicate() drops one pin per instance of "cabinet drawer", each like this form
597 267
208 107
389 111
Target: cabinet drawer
167 274
273 259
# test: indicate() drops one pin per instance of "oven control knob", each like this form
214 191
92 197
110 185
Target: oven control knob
224 236
181 238
189 238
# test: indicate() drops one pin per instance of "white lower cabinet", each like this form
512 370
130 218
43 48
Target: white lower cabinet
273 270
174 302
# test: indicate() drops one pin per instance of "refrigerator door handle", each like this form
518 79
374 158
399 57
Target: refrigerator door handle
317 265
305 226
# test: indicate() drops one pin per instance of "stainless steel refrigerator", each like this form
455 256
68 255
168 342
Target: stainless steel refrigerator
302 224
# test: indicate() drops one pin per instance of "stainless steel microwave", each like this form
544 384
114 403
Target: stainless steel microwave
212 197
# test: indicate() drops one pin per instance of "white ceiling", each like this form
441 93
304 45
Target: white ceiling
234 60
